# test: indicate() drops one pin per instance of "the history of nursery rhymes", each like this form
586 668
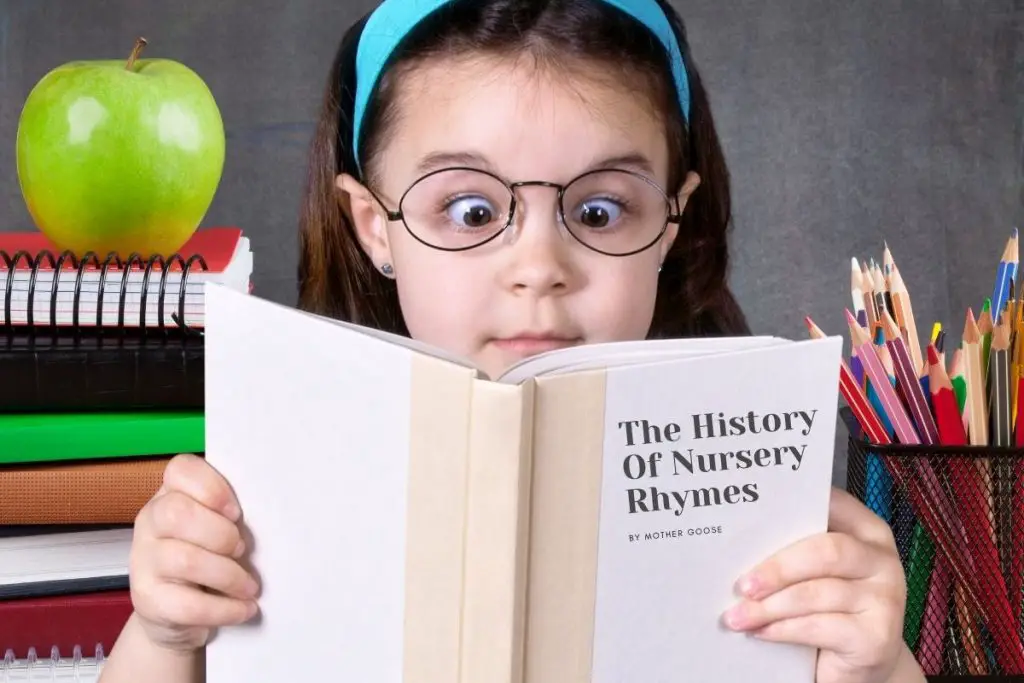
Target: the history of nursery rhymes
657 453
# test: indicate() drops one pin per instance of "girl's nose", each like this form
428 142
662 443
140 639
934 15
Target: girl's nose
539 246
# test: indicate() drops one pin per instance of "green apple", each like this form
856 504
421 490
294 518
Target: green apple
120 156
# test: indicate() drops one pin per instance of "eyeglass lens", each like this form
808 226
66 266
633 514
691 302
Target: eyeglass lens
612 211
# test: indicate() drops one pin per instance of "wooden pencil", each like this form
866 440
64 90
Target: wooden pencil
999 387
956 377
1006 272
857 289
985 325
977 430
1001 430
907 377
867 283
887 261
883 298
905 314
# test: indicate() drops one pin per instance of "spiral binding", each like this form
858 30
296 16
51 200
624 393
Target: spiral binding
33 265
33 668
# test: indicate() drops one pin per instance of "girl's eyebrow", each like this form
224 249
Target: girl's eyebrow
437 160
634 161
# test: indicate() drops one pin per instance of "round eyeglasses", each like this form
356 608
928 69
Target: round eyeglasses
612 211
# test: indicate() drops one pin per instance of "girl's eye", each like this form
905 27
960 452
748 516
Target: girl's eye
471 212
598 213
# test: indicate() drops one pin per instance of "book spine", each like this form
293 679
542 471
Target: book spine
78 493
95 375
568 443
498 497
440 401
84 621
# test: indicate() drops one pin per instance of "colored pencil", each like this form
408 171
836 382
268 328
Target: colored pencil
1006 272
907 377
857 289
978 422
905 314
1002 436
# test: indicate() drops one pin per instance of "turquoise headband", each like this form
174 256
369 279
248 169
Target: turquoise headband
394 19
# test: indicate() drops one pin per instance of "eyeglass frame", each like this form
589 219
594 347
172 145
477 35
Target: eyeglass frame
399 215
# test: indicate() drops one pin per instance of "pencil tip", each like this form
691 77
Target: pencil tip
933 355
850 317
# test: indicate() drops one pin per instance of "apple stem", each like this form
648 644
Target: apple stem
140 43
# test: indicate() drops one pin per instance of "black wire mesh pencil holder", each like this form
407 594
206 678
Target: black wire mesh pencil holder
957 515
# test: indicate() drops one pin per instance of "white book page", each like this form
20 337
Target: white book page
315 448
644 358
673 543
608 354
64 556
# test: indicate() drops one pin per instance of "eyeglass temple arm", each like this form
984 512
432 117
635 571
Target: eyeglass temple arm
677 216
391 215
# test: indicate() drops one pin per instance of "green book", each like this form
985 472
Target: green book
48 437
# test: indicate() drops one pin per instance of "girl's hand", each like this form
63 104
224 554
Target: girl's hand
185 577
843 592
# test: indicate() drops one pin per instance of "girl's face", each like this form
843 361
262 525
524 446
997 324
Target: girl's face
535 287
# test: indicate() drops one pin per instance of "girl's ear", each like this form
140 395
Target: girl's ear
690 184
367 218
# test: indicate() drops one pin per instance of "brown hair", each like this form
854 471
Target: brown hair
336 278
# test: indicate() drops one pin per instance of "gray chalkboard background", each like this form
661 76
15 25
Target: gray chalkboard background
844 124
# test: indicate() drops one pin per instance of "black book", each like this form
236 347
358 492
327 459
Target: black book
103 370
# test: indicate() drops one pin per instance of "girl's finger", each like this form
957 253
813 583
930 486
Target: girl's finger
176 515
198 480
809 597
847 515
827 555
802 599
180 604
178 561
837 633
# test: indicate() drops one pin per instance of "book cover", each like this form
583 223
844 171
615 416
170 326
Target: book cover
583 523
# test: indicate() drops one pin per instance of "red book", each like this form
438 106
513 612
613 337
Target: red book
84 620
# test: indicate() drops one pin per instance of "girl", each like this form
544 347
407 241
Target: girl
501 178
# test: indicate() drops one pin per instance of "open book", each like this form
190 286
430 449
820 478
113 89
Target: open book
582 518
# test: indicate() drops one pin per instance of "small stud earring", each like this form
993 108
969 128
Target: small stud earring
659 267
387 270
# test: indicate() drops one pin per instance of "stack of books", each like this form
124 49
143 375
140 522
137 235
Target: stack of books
102 367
